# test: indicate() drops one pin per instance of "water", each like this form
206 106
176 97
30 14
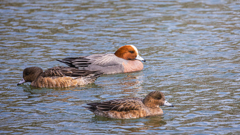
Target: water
192 50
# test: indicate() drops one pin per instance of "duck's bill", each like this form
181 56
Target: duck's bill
21 82
140 58
166 103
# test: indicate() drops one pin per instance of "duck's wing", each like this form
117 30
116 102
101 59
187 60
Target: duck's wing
117 105
106 63
103 60
69 71
75 61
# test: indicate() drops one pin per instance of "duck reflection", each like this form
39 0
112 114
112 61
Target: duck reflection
134 125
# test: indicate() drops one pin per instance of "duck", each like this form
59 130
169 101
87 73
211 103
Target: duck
58 77
126 59
129 108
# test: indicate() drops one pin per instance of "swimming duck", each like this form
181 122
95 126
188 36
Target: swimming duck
130 107
125 59
58 77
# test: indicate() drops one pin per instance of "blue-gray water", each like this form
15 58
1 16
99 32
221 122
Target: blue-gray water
192 50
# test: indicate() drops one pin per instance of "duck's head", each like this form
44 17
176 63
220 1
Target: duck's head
30 74
128 52
156 99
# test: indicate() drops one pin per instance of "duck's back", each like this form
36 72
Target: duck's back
106 63
60 77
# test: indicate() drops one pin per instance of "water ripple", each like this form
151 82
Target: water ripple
191 48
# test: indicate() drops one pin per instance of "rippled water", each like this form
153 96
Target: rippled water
192 50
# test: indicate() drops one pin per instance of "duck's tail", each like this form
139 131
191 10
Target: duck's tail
92 106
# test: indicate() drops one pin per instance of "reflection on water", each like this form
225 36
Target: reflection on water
140 125
191 48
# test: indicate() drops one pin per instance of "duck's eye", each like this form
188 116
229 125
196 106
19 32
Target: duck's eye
27 73
131 51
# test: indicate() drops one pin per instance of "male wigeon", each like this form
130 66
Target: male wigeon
130 107
58 77
125 59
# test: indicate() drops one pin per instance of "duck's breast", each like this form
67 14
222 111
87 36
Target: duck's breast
155 111
132 66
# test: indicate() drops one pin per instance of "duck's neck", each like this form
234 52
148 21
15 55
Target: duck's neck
38 78
118 54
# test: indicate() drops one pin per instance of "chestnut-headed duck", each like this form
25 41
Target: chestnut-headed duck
130 107
125 59
58 77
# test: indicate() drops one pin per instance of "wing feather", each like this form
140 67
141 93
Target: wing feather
117 105
107 60
95 59
68 71
76 61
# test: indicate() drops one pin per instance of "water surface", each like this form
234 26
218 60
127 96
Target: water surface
192 50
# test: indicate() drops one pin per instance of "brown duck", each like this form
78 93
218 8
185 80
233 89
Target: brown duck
58 77
130 107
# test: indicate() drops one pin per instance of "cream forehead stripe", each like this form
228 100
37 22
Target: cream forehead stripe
134 48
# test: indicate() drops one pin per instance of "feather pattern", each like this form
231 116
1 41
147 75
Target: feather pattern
76 61
106 63
96 59
67 71
106 59
118 105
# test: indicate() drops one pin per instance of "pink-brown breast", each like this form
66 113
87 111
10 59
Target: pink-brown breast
132 66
